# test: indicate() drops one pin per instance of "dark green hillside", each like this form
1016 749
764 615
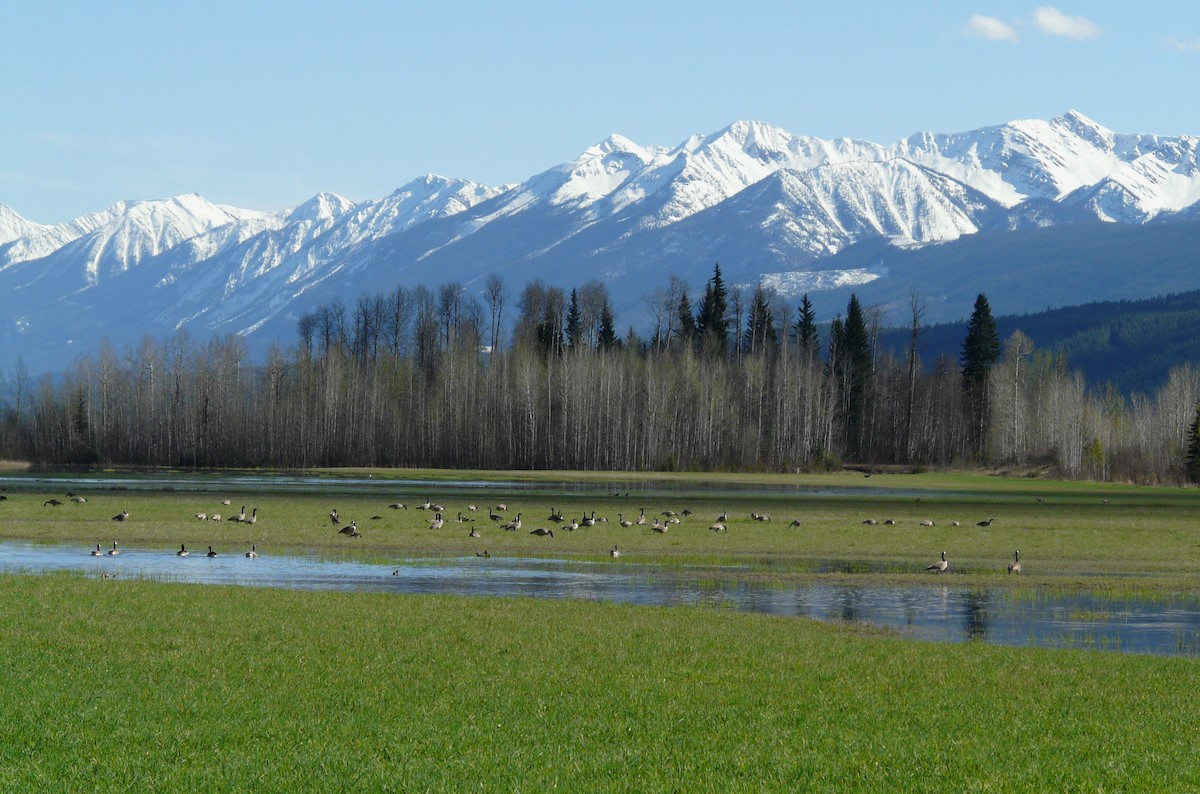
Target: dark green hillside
1133 344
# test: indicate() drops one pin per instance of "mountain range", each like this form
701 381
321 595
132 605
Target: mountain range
1078 208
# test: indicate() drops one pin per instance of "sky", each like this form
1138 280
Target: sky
262 105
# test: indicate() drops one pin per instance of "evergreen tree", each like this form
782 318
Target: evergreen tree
685 331
607 338
1192 463
574 322
806 328
711 324
980 352
760 324
855 359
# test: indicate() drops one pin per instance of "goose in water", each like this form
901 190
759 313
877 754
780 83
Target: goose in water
114 551
1015 565
253 551
183 552
940 565
96 551
211 553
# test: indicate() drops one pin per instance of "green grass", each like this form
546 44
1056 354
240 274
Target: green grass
1071 535
120 685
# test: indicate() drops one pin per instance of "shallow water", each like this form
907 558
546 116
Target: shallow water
1004 616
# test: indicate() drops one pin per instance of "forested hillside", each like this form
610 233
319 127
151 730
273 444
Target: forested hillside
1130 344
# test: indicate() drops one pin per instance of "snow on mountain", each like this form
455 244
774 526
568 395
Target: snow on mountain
768 204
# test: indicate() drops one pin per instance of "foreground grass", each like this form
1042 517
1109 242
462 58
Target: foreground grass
115 685
1069 534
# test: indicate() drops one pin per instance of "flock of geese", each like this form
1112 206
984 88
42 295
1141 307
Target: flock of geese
658 524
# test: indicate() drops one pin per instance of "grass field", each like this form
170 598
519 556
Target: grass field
110 685
1069 534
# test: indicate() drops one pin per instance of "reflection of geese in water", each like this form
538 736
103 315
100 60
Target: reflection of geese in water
1015 565
940 565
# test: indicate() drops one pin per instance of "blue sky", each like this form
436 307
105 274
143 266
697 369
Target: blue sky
263 105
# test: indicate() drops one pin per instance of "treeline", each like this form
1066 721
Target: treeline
740 382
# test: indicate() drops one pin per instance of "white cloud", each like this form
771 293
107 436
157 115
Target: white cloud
1055 23
1184 45
990 28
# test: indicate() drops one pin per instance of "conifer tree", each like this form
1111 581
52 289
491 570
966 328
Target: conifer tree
806 329
574 322
711 323
1192 463
606 339
685 330
980 352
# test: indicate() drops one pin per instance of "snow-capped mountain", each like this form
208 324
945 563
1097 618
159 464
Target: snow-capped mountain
771 206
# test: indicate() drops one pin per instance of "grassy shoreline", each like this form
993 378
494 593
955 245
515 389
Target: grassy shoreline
117 685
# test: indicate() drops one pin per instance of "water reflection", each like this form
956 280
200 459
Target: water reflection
1162 625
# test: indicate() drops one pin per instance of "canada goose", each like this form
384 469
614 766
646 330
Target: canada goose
615 552
719 527
588 521
474 533
761 516
114 551
723 518
224 501
211 553
1015 565
492 514
641 519
463 519
351 530
502 507
571 525
955 524
870 522
686 512
513 525
437 508
121 516
555 516
669 513
659 527
240 517
927 523
252 518
96 551
986 523
333 517
889 521
52 503
673 520
253 551
183 552
397 506
376 518
215 517
542 532
623 521
78 500
940 565
472 508
425 505
483 553
436 522
202 516
795 523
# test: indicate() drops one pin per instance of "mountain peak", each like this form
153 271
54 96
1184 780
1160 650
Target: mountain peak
321 208
1080 125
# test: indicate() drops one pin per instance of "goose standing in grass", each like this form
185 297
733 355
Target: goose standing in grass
211 553
927 522
253 517
556 516
571 525
253 551
121 516
183 552
723 518
96 551
333 517
939 566
870 522
623 521
659 526
718 527
542 532
351 530
760 516
641 519
397 506
425 505
52 503
502 506
615 552
514 525
76 499
226 501
114 551
239 517
986 523
588 521
202 516
474 533
795 523
215 517
436 522
1015 565
492 514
